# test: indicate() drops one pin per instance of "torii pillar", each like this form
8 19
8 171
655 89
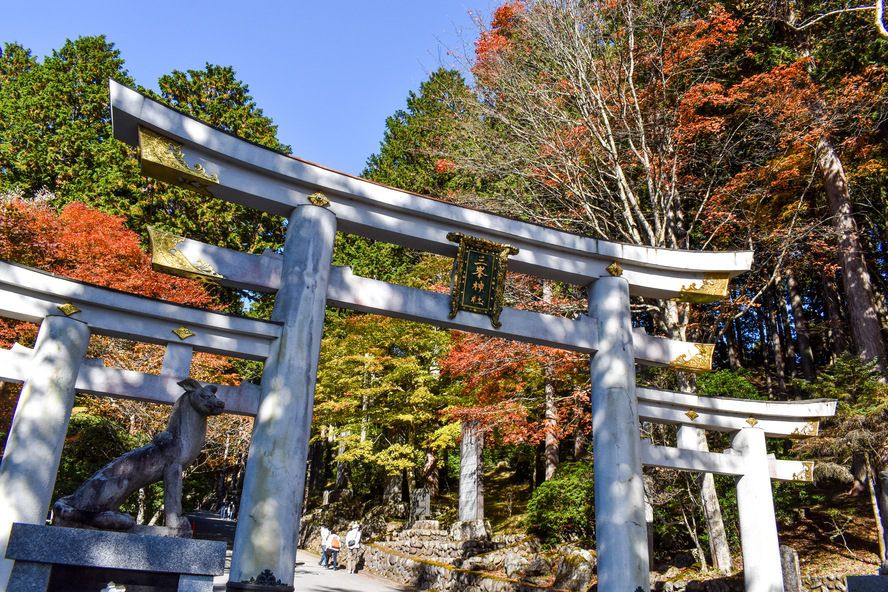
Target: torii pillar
267 533
620 527
37 435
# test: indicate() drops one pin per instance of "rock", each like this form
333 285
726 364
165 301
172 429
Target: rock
671 573
696 586
332 496
538 566
476 563
717 586
682 560
574 571
470 530
514 564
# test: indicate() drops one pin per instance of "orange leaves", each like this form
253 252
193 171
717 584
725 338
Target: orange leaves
90 246
504 17
690 41
444 165
493 43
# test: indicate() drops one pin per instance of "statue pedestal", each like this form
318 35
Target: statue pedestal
58 559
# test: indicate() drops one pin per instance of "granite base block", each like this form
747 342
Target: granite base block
867 583
53 559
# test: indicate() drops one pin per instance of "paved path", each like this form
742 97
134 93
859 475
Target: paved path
309 576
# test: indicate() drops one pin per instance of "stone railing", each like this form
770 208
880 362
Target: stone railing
426 574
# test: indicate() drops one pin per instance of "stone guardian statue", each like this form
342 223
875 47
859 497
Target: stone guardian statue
96 503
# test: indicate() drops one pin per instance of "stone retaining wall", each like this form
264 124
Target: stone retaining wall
447 549
433 575
827 584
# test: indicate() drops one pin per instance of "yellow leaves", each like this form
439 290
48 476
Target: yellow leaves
873 168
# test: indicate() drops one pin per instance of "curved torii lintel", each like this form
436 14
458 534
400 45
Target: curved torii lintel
219 164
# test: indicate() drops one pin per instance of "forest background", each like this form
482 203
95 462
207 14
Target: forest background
693 125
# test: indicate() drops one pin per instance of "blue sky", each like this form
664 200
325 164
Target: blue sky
328 72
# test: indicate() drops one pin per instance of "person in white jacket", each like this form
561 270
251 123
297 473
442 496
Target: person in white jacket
325 534
353 547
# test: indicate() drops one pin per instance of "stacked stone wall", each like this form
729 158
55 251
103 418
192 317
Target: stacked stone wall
438 544
827 584
427 574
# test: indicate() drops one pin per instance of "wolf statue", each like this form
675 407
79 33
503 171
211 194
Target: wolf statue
96 503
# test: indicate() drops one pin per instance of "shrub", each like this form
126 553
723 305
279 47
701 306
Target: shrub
562 508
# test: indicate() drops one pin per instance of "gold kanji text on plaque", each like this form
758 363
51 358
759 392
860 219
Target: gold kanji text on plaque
479 276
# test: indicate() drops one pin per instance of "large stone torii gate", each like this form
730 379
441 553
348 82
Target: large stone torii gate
317 201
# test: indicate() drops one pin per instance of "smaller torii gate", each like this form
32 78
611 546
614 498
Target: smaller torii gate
749 422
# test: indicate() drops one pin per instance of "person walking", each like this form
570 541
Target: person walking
333 546
353 547
325 534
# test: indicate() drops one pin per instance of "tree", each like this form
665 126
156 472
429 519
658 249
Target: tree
408 156
215 96
55 125
579 120
87 245
55 134
380 393
808 110
526 394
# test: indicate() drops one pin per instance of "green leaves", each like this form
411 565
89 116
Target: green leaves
378 387
563 507
55 123
215 96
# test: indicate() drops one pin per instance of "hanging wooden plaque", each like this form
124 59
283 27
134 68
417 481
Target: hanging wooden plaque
479 276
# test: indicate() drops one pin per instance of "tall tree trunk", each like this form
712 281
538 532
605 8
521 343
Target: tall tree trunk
777 345
806 354
551 418
430 473
734 353
765 349
883 502
579 442
780 301
864 320
342 466
220 485
551 450
838 343
719 549
718 536
316 465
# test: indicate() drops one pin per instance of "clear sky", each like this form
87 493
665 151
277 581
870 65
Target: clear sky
327 72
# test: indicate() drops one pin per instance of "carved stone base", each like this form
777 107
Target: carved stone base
160 531
266 582
58 559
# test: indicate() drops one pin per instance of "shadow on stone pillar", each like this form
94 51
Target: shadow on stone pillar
37 434
471 473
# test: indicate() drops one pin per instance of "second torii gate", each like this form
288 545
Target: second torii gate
317 202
